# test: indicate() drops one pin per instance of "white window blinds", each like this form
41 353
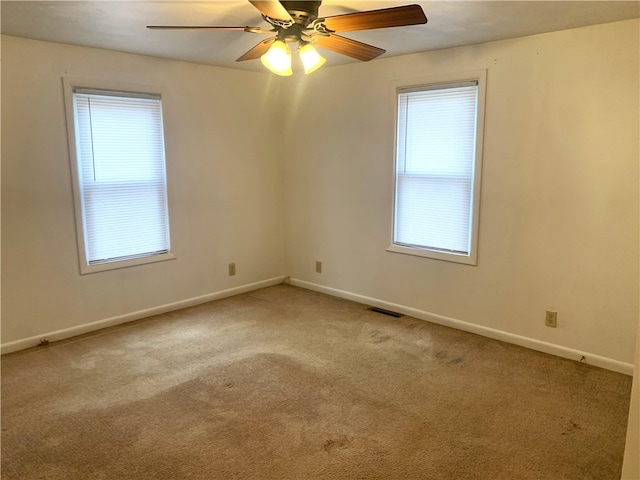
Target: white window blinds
436 133
121 170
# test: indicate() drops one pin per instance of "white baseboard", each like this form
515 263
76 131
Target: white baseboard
128 317
553 349
557 350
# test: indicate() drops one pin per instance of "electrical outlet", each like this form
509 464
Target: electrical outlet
318 267
232 269
551 319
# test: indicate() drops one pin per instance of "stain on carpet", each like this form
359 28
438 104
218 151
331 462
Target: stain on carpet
338 443
379 337
571 428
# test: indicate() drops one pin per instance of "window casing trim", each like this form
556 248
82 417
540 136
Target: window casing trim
434 82
89 86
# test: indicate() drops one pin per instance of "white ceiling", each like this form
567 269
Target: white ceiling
120 25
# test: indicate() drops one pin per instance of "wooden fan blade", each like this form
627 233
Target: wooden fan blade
383 18
346 46
257 51
272 9
203 27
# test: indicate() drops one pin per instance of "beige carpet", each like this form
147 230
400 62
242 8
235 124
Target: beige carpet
285 383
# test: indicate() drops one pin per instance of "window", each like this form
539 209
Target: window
437 174
118 165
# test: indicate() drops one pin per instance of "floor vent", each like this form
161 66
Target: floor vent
385 312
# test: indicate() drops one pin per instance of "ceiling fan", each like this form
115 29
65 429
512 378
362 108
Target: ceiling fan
297 21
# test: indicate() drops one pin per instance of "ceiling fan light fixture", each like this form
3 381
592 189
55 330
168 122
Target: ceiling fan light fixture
278 59
311 59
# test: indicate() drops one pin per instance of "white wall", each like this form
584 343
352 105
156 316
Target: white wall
559 202
224 187
631 464
559 212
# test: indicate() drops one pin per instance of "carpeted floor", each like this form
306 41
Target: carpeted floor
285 383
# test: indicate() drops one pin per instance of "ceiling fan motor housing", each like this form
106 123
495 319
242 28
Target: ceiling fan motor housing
302 12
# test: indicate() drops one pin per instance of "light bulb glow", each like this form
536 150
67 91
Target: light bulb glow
311 59
278 59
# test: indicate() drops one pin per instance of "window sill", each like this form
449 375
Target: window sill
102 267
423 252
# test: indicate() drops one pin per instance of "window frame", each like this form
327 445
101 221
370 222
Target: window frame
119 89
427 83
